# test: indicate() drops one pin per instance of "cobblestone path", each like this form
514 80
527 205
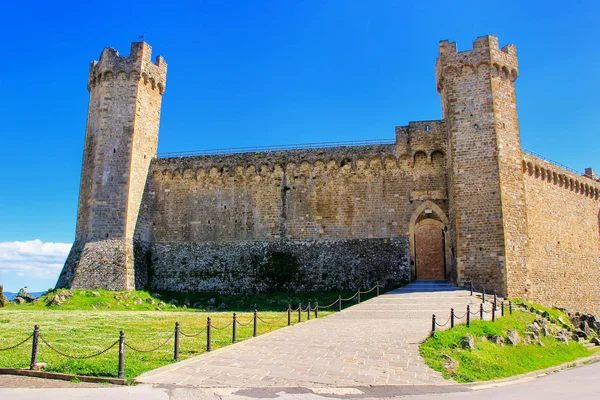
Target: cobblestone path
372 343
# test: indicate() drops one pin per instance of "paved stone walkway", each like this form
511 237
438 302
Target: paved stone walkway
373 343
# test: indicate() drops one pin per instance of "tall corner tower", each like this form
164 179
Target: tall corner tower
487 196
121 140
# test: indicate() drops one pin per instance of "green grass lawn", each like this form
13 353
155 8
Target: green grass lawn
89 322
490 361
86 332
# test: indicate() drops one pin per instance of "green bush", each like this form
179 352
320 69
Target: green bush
2 297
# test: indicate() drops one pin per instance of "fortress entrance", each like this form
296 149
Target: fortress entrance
428 247
429 250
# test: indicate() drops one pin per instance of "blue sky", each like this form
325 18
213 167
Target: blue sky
252 73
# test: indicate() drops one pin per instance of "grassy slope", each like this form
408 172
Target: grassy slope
489 361
116 301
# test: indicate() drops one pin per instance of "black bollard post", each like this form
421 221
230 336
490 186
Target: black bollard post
433 324
289 310
481 311
308 311
255 323
121 373
234 338
340 303
468 316
316 309
299 312
452 318
510 307
208 335
34 346
471 285
176 350
502 308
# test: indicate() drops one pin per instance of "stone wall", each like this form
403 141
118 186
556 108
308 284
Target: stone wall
281 265
346 192
303 202
563 216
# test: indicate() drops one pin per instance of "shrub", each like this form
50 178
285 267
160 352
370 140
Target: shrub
2 297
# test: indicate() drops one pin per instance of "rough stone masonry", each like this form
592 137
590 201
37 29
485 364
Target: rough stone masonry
454 199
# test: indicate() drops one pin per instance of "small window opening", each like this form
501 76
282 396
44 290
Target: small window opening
107 235
114 151
475 126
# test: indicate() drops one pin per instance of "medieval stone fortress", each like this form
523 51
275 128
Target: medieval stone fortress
455 199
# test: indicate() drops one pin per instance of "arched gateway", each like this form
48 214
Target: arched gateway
428 245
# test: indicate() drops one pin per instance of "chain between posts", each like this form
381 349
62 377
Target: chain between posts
77 357
152 349
18 344
220 328
244 324
327 306
177 333
193 335
273 321
482 310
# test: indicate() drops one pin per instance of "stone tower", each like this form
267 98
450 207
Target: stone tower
121 140
486 188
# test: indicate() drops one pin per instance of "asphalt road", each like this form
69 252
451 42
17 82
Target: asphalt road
581 383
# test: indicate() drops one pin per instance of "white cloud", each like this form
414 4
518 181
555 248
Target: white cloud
33 258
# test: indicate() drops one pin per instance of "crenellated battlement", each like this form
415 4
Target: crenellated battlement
484 57
425 140
133 67
560 177
188 168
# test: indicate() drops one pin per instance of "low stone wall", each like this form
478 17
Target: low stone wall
290 265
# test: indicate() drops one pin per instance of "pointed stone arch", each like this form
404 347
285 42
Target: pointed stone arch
440 221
